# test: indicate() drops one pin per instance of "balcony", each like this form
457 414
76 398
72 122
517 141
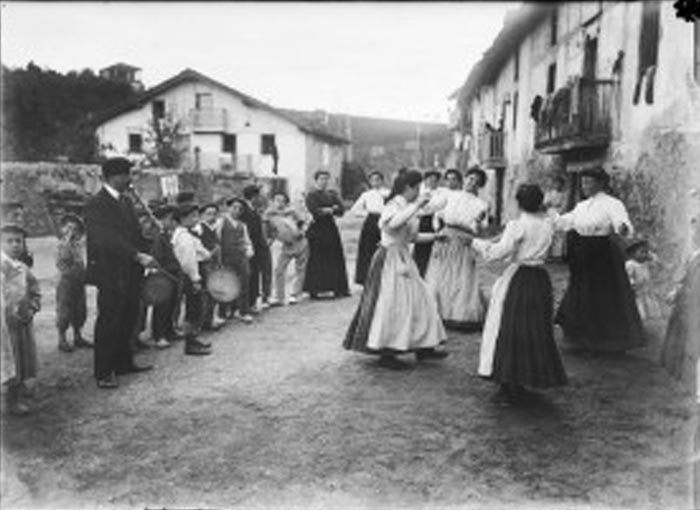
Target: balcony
575 117
209 120
491 149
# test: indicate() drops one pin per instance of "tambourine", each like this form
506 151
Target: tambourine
158 287
223 285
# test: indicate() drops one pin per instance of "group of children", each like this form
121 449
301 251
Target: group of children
188 242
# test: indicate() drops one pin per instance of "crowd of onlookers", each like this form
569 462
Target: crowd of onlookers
180 239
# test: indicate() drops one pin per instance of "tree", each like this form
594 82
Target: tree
46 115
165 140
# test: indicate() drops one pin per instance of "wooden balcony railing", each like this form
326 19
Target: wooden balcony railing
209 120
576 116
492 149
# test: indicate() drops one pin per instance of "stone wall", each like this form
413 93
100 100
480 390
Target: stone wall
37 184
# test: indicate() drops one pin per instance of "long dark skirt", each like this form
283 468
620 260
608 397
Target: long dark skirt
325 271
369 240
599 311
525 351
358 331
421 251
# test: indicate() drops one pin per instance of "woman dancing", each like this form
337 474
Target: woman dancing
598 312
397 313
517 347
370 204
451 273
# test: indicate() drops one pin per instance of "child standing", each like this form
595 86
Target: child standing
162 323
286 226
517 346
638 268
189 252
21 300
207 232
71 301
236 251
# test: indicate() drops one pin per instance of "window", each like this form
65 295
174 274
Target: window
158 109
228 144
135 143
551 78
553 22
516 65
267 144
204 100
648 50
515 110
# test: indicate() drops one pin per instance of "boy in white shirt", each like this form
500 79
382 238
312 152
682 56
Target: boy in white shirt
189 252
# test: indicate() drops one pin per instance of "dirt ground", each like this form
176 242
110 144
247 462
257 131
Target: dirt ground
280 416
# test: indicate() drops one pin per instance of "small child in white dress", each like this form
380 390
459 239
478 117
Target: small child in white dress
638 267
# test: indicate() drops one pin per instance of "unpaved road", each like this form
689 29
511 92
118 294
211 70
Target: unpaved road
281 416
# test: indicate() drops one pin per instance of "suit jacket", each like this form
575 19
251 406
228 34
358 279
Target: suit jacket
113 239
253 221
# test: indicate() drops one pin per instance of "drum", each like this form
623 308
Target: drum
286 228
223 285
158 287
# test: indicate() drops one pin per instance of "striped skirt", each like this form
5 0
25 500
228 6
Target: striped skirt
396 312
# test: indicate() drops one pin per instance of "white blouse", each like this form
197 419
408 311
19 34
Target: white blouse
370 202
598 215
525 240
464 209
399 222
438 199
189 252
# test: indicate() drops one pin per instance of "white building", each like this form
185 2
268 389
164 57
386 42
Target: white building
220 129
565 86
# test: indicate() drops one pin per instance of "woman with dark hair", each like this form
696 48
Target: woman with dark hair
517 347
370 204
325 270
421 252
397 313
451 273
598 312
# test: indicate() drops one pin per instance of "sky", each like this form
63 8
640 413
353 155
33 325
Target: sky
392 60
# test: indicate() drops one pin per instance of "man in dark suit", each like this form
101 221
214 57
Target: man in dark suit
116 257
261 262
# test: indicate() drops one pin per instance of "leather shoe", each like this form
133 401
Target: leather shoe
108 383
134 369
197 350
81 343
424 354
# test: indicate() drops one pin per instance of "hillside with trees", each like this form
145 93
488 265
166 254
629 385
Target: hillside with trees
47 115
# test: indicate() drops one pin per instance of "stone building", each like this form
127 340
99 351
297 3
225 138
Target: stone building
571 85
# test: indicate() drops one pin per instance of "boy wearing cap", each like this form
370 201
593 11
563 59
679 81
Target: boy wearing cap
207 231
162 323
236 251
190 253
21 301
71 302
116 258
